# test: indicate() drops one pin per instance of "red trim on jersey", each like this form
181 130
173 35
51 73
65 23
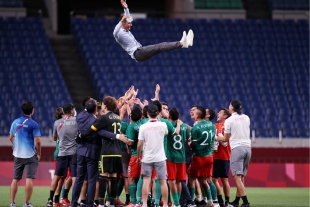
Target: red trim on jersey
223 153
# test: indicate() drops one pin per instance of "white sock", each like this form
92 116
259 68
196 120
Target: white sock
101 205
198 198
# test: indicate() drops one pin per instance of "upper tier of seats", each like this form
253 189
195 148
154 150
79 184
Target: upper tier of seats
289 4
29 72
263 63
218 4
11 3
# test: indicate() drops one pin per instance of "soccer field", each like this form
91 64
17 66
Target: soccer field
258 197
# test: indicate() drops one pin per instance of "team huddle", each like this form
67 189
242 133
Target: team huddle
154 157
142 155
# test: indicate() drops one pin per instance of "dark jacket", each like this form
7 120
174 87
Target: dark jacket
91 145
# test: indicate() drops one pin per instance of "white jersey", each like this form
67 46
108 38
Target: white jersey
153 133
239 128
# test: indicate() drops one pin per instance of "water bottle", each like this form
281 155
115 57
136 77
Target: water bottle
215 146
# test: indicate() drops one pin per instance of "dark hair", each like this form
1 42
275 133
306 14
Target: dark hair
85 100
110 103
211 113
91 106
158 104
58 113
116 111
144 111
152 115
164 104
174 114
226 112
201 112
236 104
27 108
136 114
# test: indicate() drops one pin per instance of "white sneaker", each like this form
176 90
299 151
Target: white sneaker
190 37
27 205
12 204
184 40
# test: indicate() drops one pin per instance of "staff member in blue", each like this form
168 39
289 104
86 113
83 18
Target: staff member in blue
25 136
88 153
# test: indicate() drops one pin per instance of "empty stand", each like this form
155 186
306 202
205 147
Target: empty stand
263 63
29 72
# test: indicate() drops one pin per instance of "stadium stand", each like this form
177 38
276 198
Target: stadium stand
261 62
289 4
11 3
218 4
29 72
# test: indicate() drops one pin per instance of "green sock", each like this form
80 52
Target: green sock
63 191
153 200
139 190
108 193
120 186
192 192
132 191
158 192
208 193
175 198
213 191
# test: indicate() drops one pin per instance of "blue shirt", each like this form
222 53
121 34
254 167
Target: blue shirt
125 38
24 144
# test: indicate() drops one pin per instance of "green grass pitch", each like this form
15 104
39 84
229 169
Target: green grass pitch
258 197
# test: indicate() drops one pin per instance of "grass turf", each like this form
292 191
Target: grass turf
258 197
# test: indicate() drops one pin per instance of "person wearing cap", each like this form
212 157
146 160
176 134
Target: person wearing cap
25 136
140 53
151 140
65 129
237 131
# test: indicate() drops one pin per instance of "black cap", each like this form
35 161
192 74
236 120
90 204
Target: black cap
152 110
68 107
236 104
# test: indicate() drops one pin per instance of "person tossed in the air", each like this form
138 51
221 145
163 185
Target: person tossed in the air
140 53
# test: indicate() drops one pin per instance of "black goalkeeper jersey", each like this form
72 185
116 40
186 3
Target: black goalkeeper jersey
112 123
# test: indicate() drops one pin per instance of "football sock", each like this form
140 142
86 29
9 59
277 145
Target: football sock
113 192
192 192
132 191
139 190
213 191
208 193
220 199
169 197
226 199
52 192
245 199
102 189
57 198
237 199
127 198
120 186
175 197
66 192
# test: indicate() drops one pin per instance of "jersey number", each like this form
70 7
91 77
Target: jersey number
115 127
205 132
177 142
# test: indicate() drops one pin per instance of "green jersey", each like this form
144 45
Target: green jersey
132 134
124 126
203 134
175 150
56 150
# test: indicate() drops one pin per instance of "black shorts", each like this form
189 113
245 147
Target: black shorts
30 164
111 164
63 162
220 168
